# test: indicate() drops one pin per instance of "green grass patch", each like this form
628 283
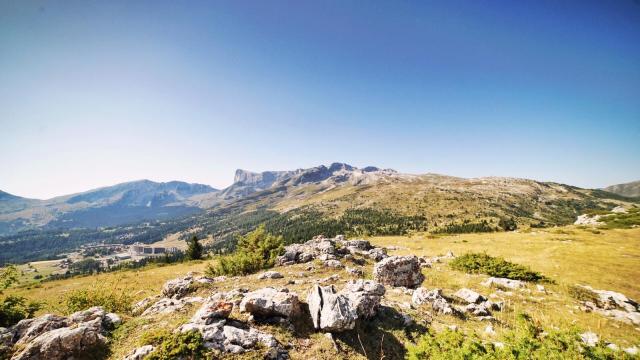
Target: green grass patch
169 346
481 263
526 341
112 300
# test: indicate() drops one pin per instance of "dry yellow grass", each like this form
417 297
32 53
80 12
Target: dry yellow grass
605 259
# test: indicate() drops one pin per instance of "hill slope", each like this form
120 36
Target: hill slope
631 189
301 203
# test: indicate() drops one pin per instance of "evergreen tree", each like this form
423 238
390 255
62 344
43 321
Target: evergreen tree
194 251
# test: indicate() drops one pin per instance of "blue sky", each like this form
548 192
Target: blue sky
95 93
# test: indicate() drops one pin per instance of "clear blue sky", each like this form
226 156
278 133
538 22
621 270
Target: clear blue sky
95 93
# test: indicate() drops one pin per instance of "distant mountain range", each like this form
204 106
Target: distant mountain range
631 189
329 190
113 205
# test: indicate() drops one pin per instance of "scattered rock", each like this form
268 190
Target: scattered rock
140 353
477 309
614 305
180 287
589 338
332 278
167 306
469 296
489 330
270 275
355 271
434 297
333 264
377 254
504 283
399 271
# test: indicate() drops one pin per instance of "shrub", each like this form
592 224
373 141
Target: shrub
112 300
255 251
194 251
8 276
171 346
581 293
466 227
526 341
481 263
622 220
16 308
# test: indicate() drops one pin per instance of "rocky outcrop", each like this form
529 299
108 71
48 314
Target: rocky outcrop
399 271
434 297
330 251
170 305
57 337
588 220
228 336
612 304
330 311
270 302
180 287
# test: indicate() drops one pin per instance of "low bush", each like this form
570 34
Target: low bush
581 293
481 263
16 308
467 227
622 220
112 300
255 251
169 346
526 341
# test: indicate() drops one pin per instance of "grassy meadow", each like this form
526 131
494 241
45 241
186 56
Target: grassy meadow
603 259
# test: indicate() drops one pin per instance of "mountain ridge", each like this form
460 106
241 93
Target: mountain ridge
630 189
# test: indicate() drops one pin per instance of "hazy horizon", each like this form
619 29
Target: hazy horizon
98 93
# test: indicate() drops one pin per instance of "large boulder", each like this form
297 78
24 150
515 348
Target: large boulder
79 336
330 311
364 296
269 302
66 343
399 271
29 329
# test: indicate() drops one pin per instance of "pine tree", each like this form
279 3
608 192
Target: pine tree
194 251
